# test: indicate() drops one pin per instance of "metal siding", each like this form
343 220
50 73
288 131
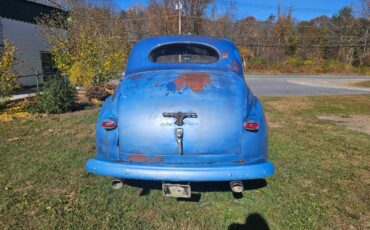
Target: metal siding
1 33
26 39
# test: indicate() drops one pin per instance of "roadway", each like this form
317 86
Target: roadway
297 85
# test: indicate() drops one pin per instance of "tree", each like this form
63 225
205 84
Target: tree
8 79
89 44
194 11
345 28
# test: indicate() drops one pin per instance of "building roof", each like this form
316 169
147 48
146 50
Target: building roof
23 10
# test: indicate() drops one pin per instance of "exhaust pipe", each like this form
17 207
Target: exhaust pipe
236 186
117 184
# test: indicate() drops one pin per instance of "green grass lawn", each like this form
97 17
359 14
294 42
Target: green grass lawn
322 177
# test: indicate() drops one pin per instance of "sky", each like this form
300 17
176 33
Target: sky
261 9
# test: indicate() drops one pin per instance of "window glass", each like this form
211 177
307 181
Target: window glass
183 52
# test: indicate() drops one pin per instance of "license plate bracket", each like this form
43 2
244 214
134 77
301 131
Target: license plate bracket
176 190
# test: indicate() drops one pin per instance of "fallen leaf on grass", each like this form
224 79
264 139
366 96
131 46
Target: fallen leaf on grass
13 139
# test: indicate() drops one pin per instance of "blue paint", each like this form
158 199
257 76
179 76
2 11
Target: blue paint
171 86
138 59
185 172
216 146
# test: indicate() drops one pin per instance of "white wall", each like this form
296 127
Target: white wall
26 39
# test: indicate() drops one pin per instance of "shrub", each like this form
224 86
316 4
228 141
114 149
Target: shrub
92 47
96 92
257 61
365 60
81 75
333 66
110 88
294 61
58 97
8 80
308 63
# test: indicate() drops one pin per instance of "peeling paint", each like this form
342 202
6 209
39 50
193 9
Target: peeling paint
135 77
225 55
235 67
195 81
139 157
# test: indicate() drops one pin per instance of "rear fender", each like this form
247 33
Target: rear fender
254 145
107 141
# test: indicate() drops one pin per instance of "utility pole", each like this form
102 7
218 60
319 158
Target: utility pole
178 7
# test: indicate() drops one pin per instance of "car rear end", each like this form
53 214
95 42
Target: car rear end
182 125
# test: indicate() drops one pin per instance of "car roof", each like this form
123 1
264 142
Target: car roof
185 38
229 58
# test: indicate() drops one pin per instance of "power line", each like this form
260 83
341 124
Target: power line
269 7
262 23
287 46
148 18
299 36
303 46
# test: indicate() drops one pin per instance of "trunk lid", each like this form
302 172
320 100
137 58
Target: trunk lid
217 98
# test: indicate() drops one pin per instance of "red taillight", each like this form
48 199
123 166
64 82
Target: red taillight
251 125
109 124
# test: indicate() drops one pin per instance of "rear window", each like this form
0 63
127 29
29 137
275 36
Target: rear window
183 52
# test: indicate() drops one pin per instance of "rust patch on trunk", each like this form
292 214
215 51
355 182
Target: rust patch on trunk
143 158
195 81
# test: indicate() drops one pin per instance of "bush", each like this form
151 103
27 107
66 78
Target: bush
294 61
257 61
58 97
91 50
333 66
110 88
96 92
8 79
365 60
308 63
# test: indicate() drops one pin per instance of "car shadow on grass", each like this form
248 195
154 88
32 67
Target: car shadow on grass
253 221
198 188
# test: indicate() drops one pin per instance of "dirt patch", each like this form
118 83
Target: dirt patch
290 106
361 84
336 84
356 122
272 122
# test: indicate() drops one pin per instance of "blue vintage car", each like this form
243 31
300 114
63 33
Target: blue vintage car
182 113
